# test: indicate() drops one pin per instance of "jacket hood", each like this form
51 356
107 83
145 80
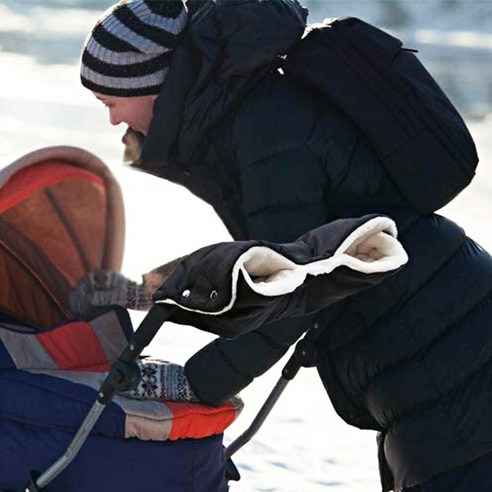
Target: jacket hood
227 49
240 36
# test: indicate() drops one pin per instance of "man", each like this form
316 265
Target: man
410 358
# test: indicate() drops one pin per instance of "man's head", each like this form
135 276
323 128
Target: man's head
136 111
126 56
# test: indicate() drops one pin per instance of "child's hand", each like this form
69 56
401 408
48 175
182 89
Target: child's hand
161 380
101 288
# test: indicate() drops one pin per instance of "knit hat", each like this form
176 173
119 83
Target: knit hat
129 51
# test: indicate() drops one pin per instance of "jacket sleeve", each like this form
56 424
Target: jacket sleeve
236 362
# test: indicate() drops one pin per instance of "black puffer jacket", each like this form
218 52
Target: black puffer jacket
411 357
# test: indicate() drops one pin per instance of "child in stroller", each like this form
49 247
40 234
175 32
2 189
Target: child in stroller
61 216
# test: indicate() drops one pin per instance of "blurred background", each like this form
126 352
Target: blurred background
304 446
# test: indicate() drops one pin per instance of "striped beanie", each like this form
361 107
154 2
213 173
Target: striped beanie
129 51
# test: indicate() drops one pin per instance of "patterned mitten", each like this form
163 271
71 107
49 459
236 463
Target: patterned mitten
101 288
161 380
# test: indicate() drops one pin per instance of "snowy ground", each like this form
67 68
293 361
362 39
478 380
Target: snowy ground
303 446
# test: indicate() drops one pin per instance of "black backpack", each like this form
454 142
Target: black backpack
415 130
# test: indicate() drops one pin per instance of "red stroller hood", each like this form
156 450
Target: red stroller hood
61 216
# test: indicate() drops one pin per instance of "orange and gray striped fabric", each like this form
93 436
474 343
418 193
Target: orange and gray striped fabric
75 357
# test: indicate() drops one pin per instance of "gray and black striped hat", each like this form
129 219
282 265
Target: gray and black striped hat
129 50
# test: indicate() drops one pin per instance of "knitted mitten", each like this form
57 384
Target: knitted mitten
101 288
161 380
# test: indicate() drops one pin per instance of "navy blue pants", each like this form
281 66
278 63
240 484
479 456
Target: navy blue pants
473 477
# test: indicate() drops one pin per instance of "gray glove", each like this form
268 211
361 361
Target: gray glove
101 288
161 380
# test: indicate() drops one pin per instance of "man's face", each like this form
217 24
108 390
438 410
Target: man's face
136 112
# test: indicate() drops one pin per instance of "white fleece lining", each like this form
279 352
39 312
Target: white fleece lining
371 248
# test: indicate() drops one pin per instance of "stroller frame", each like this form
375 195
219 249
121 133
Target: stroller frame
125 375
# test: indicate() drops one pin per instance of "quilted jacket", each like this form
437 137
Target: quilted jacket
410 357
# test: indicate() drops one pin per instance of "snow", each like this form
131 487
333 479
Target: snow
304 445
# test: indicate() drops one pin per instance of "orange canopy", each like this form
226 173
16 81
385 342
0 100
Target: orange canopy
61 216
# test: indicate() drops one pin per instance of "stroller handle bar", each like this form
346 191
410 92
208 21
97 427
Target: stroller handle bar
123 375
305 355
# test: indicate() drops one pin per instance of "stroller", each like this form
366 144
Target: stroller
61 216
61 420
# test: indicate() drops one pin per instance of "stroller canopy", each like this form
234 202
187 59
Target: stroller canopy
61 216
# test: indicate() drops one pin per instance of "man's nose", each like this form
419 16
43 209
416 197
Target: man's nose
114 119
